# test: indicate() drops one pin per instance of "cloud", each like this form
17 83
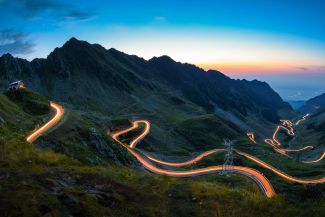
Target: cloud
78 15
33 8
302 68
296 95
15 42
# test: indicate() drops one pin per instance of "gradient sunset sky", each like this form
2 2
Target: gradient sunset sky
280 41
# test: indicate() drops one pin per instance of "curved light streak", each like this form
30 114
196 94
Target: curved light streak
243 170
289 130
186 163
297 150
259 178
251 137
280 173
288 126
302 119
57 117
315 161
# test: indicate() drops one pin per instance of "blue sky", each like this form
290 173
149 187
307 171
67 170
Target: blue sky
279 41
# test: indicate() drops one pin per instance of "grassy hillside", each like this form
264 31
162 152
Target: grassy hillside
92 78
208 131
37 182
29 101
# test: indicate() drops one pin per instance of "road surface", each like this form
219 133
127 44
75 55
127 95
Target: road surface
317 160
288 126
251 137
258 177
302 119
280 173
185 163
59 112
200 157
146 159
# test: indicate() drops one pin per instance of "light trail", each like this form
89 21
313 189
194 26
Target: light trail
302 119
287 123
57 117
275 148
142 135
145 132
288 126
280 173
258 177
284 151
274 142
186 163
251 137
297 150
255 175
134 126
315 161
289 131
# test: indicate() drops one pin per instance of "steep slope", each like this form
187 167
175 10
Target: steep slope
38 182
76 174
211 89
90 77
91 69
313 104
312 132
316 125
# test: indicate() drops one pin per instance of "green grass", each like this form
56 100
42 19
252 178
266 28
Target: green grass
25 190
29 101
74 178
207 131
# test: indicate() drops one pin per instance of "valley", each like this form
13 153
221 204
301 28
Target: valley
258 177
155 129
162 108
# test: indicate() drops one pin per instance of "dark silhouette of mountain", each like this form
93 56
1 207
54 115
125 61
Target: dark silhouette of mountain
313 104
83 73
77 165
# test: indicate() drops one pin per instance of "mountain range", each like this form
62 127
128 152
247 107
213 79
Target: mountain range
77 169
108 80
314 104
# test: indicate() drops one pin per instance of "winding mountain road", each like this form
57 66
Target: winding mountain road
288 126
258 177
59 112
146 160
255 175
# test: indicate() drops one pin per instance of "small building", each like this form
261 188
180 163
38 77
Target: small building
16 85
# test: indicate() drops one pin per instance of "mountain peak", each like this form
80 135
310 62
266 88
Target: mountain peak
163 58
73 39
73 47
72 42
216 73
7 56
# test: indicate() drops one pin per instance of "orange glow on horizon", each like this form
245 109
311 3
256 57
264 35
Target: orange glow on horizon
258 68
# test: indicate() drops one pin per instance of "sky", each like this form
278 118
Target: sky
281 42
